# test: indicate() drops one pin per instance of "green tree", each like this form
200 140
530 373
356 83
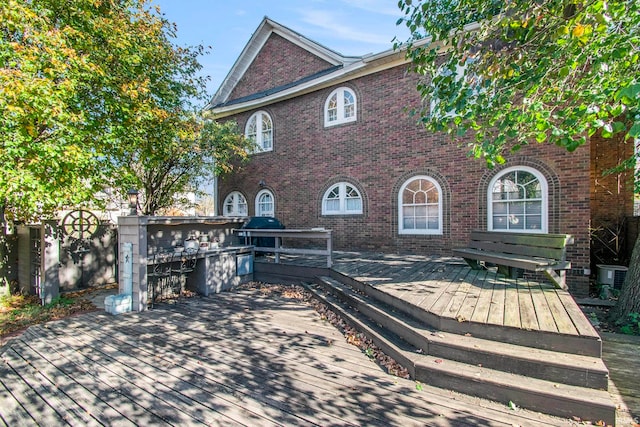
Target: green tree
85 87
516 73
167 165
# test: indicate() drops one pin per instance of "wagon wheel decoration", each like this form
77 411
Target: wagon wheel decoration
80 224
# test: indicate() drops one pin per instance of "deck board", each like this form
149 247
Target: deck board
498 296
468 306
460 295
580 322
528 318
21 386
511 305
546 321
304 382
445 287
483 304
416 280
557 310
239 358
248 358
429 282
43 361
13 412
74 365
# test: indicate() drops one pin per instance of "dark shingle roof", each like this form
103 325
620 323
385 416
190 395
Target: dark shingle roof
277 89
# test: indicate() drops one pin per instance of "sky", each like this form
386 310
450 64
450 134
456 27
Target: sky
350 27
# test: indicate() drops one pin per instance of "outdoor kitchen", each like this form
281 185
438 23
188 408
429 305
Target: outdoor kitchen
196 254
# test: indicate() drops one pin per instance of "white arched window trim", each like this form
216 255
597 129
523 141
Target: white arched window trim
348 200
259 129
265 203
235 204
544 228
344 113
432 231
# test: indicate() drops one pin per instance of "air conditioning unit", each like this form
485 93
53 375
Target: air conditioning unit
612 275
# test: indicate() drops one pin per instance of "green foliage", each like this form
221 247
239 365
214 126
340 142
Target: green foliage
173 158
630 325
88 89
508 74
524 72
46 147
20 311
60 301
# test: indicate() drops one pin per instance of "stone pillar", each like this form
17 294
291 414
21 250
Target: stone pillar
133 229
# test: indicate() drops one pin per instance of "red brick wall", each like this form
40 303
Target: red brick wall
279 62
612 194
378 153
611 202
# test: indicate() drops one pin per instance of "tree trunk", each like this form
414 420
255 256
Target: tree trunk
629 300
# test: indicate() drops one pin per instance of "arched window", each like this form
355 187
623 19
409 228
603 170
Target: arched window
265 205
342 199
517 201
259 129
340 107
235 204
420 206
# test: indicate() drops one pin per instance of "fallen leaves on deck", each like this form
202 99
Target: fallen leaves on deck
352 336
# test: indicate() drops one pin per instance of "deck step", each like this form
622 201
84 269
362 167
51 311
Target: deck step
535 379
571 369
586 345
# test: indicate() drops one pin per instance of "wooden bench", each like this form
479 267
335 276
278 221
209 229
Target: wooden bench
510 251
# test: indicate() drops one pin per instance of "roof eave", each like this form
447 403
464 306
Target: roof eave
363 67
255 44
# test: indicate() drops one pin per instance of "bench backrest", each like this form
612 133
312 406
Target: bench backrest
536 245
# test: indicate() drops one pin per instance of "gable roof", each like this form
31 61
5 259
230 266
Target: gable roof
343 69
257 41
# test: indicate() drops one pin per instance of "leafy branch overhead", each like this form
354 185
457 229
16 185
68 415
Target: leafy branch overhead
90 88
517 72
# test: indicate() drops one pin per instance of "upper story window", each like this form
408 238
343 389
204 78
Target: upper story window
342 199
235 204
420 206
340 107
259 129
461 75
518 201
265 205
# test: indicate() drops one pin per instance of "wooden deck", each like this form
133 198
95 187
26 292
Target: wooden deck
447 287
236 358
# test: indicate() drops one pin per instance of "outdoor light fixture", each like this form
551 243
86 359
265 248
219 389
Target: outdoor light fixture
133 201
262 183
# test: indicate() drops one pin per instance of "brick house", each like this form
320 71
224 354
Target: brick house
338 149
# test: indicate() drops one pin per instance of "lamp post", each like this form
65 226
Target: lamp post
133 201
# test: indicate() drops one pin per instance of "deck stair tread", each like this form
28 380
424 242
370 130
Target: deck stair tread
563 339
586 371
478 366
